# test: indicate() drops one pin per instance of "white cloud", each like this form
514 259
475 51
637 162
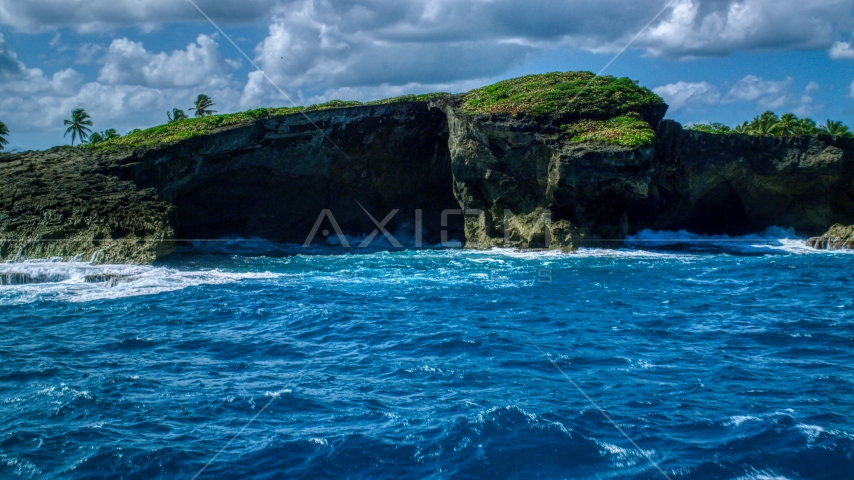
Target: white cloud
764 94
129 63
96 16
768 94
842 50
806 105
34 103
315 46
87 52
681 94
718 27
691 28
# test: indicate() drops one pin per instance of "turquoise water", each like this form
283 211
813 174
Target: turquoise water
717 357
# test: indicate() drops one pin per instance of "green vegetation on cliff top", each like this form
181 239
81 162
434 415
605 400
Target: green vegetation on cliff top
193 127
567 94
604 109
627 130
787 125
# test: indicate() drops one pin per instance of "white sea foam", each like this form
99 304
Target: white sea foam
736 420
811 431
772 240
762 475
83 282
278 393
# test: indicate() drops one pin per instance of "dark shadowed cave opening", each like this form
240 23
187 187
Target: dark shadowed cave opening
719 211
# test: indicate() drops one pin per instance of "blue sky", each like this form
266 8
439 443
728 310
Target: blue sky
129 61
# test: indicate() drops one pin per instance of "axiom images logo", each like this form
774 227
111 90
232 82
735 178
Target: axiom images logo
380 227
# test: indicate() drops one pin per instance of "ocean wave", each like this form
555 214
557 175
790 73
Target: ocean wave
34 280
771 240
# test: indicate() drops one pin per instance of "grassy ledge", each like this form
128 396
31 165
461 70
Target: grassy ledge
627 130
597 109
568 94
193 127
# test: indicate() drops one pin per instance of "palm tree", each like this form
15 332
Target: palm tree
78 123
832 127
743 128
202 105
176 114
3 132
98 137
805 126
763 124
786 125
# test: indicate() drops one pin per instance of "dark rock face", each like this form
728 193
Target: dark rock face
736 184
596 194
839 237
272 179
511 181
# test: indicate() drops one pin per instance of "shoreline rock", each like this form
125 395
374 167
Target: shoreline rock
839 237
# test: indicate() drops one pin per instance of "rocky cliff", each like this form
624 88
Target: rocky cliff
65 203
425 172
522 174
525 183
272 179
736 184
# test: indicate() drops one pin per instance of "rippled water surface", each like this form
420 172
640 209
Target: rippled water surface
719 358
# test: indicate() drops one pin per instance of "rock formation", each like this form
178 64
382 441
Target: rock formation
486 179
271 179
737 184
838 237
516 175
64 203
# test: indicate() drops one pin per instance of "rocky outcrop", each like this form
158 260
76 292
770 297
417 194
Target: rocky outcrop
525 184
522 174
486 180
839 237
737 184
64 203
271 179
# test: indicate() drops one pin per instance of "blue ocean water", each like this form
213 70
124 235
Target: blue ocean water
718 357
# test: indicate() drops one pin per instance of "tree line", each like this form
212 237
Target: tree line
80 121
769 123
